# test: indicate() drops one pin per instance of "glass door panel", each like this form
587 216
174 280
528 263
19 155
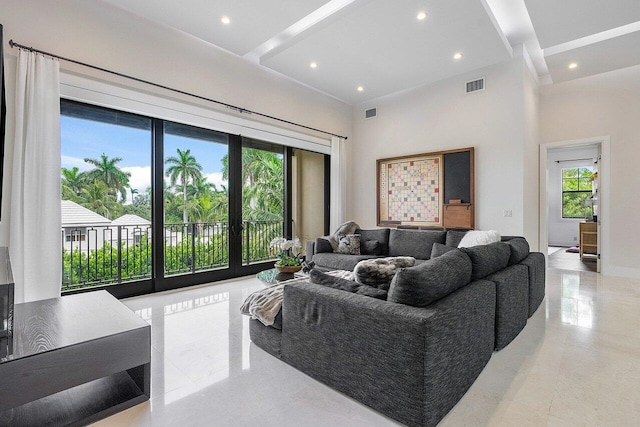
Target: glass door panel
196 200
263 201
106 197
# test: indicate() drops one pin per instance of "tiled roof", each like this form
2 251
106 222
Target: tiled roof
130 219
74 215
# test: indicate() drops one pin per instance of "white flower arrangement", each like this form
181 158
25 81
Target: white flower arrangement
287 251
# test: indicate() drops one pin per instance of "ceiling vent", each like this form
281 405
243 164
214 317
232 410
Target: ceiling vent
474 85
370 113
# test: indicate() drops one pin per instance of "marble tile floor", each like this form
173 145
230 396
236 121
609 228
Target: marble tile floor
563 260
576 363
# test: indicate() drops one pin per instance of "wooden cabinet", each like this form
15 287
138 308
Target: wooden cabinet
458 215
588 240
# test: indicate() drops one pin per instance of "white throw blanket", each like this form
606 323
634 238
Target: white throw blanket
265 304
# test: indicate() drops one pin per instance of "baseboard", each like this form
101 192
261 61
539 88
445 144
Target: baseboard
563 245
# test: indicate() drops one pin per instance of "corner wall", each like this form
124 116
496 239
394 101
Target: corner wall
604 105
500 122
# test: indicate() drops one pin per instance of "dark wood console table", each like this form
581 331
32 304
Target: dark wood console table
76 359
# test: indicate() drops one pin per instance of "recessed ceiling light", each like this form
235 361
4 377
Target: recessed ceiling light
313 65
360 88
573 65
225 20
421 15
457 55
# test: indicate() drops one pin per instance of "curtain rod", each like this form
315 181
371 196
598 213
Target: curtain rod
116 73
575 160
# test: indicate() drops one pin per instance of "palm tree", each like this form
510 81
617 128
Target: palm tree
200 187
263 184
72 182
107 172
183 168
98 198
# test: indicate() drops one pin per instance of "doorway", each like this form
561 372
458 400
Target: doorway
573 203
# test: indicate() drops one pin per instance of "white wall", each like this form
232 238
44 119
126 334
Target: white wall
564 231
530 191
103 35
605 105
497 122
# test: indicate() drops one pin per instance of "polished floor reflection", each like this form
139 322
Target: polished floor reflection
577 362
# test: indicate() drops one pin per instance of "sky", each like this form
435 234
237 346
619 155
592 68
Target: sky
82 139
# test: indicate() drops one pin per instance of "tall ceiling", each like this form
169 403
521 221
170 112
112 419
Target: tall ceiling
364 49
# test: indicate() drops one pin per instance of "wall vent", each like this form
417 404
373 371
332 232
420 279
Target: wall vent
474 85
370 113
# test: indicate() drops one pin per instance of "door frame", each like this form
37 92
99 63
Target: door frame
604 174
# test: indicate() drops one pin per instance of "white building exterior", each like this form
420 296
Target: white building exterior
82 228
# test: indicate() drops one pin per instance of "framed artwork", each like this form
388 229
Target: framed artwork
427 190
410 190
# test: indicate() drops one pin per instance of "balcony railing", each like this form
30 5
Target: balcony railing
106 255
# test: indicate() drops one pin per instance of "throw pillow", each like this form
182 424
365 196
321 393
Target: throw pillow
479 237
432 280
439 249
379 234
322 246
379 272
349 244
487 259
370 247
519 249
320 278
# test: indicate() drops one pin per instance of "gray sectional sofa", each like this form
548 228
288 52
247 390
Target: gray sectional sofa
413 355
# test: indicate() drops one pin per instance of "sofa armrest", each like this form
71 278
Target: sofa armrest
311 246
412 364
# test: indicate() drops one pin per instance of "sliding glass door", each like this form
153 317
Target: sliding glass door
263 200
106 198
196 200
151 205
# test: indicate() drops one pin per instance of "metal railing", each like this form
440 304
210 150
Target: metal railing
106 255
256 236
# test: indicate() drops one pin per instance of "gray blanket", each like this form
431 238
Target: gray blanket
264 304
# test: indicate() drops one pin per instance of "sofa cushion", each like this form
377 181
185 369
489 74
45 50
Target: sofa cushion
370 247
519 249
479 237
339 261
380 234
440 249
487 259
322 246
432 280
320 278
454 237
349 244
412 243
379 272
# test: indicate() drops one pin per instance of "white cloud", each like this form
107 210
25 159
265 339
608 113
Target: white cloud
140 178
70 162
216 178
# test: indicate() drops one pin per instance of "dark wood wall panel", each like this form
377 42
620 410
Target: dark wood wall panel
457 176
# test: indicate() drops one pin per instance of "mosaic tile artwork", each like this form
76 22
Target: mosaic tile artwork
410 191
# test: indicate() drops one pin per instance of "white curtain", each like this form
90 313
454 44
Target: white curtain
338 202
35 244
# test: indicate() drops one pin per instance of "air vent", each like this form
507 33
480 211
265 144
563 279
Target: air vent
475 85
370 113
